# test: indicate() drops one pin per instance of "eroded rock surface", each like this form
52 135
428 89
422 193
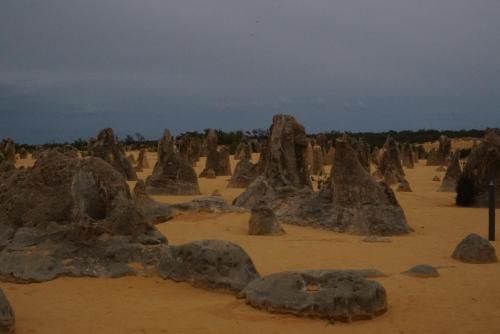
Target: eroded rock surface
171 175
329 294
475 249
108 149
211 264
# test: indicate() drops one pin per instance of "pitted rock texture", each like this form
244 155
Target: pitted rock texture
334 295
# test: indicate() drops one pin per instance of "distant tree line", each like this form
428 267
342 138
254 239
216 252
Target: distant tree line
233 138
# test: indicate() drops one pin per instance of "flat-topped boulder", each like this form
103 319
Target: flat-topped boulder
206 204
334 295
210 264
171 174
106 147
423 271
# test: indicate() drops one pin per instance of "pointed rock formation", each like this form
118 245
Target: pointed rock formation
390 163
407 156
171 174
317 161
482 166
217 160
263 221
440 157
142 161
309 156
8 149
284 171
108 149
329 156
353 202
189 148
245 173
362 205
452 175
243 151
23 153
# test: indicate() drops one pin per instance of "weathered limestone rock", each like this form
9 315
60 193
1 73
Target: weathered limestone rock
23 153
8 149
329 156
440 157
171 175
152 211
243 151
263 221
363 152
404 186
210 264
217 160
7 317
483 166
407 156
84 223
131 159
284 170
353 202
475 249
245 173
375 156
309 156
317 161
422 154
208 204
189 148
422 270
390 163
334 295
361 205
453 172
108 149
142 160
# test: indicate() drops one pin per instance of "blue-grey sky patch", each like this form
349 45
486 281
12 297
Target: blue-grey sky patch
69 68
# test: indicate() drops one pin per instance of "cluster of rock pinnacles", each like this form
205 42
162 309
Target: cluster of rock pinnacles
88 223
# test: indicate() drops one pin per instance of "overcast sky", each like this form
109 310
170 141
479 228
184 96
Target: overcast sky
71 67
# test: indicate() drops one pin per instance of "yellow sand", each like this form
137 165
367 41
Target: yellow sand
465 299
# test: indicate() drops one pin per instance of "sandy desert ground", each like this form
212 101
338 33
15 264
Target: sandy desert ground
465 299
